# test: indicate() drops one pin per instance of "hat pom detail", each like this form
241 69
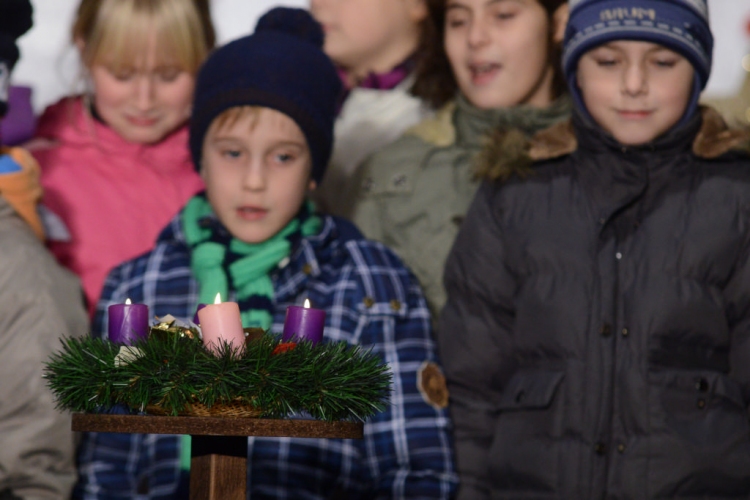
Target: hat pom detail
295 22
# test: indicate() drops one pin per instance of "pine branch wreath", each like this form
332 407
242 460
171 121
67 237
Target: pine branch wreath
172 371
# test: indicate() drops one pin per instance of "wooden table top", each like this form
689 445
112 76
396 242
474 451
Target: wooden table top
216 426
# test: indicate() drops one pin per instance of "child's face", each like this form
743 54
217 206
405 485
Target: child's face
498 50
257 173
144 101
366 36
635 90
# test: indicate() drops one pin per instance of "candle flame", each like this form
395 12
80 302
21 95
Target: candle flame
307 304
127 301
217 300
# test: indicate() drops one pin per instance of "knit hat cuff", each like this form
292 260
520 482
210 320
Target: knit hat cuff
258 97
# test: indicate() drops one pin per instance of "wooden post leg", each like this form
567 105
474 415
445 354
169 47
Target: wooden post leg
218 468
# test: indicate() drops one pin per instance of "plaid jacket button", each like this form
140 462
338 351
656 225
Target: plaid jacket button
369 302
395 305
307 269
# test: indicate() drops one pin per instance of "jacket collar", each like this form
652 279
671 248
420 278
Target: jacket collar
473 124
509 153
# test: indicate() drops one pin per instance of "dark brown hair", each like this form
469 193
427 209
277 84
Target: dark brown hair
435 82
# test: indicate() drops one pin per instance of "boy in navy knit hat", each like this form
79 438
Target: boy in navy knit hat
596 338
261 137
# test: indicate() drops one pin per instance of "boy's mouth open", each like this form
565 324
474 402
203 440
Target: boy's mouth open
481 73
251 213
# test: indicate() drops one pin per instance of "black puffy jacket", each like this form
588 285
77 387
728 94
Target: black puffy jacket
596 338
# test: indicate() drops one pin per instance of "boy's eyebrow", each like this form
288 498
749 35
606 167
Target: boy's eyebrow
223 137
455 4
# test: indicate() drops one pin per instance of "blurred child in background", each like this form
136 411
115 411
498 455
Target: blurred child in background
40 302
494 65
597 333
377 46
115 162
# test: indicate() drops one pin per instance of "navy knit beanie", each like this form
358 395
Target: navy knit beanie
15 20
280 66
680 25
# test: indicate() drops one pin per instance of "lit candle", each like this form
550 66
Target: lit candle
221 322
128 322
304 323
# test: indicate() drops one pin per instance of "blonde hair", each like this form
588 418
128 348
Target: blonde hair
116 32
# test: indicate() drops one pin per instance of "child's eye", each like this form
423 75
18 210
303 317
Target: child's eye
665 63
505 15
122 75
169 74
285 157
231 153
606 62
456 19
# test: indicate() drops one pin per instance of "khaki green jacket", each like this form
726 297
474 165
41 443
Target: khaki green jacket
413 195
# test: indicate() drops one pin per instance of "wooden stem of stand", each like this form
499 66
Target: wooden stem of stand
218 468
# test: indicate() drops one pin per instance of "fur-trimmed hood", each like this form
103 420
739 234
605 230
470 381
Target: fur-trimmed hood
509 152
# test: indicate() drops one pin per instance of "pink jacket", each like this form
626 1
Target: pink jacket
114 196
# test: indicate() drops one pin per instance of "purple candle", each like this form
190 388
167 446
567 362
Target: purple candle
128 322
304 323
196 319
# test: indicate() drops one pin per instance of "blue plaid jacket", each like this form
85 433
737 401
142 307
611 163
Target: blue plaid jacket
370 299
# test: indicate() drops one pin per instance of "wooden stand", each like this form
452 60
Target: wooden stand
218 468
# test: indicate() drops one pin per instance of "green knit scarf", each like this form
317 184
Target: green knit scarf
222 264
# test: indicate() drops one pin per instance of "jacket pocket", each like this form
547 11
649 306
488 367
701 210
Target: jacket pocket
700 435
530 390
525 451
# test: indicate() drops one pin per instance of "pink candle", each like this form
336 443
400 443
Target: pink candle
220 322
304 323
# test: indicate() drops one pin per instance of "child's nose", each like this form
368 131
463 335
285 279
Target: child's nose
478 33
254 178
635 80
144 92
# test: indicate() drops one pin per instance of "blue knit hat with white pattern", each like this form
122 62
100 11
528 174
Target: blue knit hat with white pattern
679 25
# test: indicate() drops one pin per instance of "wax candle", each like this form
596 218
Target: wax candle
304 323
196 319
220 322
128 322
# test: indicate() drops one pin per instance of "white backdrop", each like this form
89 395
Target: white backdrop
49 63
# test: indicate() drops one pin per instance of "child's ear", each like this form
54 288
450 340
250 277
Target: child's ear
80 45
417 10
313 185
560 22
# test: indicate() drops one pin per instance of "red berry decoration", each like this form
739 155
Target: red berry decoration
283 347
